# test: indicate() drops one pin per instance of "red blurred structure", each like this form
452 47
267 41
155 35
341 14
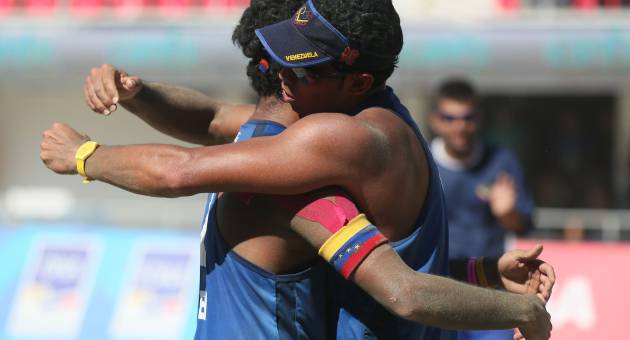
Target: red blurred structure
40 7
509 5
120 8
590 297
5 7
86 8
586 5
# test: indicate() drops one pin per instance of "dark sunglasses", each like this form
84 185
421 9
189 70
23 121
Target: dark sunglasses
468 117
310 75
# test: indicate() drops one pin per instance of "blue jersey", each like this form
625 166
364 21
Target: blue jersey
474 231
352 314
238 300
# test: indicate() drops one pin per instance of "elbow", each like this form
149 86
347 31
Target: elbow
172 189
406 302
218 131
175 185
175 179
416 302
404 310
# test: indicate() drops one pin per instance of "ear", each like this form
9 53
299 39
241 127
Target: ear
358 84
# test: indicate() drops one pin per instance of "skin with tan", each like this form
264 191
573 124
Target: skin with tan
317 151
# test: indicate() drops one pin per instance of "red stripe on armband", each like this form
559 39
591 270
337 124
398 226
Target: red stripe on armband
365 249
348 247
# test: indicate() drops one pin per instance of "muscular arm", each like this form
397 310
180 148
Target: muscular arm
439 301
186 114
425 298
176 111
311 154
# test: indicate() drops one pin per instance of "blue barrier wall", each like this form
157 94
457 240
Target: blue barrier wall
71 282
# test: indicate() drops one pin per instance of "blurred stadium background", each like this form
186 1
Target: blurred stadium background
555 78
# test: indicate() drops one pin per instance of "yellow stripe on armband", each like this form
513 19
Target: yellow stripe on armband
481 273
338 239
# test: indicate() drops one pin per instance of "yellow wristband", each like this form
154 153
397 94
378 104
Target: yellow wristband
481 273
83 153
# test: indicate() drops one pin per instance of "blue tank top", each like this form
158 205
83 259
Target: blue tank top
353 314
239 300
247 302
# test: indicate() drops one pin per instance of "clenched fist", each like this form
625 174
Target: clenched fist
106 85
59 146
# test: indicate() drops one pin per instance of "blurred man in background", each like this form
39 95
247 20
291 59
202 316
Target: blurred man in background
483 183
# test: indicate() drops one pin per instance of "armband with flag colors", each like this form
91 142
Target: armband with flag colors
350 245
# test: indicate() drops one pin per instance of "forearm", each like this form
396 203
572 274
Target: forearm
150 170
178 112
437 301
419 297
449 304
172 171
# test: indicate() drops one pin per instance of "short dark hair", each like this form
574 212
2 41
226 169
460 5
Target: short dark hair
374 25
458 89
259 14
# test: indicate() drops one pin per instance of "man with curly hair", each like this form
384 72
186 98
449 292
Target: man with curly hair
260 277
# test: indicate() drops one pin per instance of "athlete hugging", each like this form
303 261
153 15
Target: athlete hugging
327 145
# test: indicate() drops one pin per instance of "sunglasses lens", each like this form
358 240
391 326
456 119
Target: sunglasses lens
451 118
300 73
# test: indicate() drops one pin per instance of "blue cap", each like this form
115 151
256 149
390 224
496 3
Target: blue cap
308 39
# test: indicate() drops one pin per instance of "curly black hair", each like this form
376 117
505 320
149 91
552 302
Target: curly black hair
259 14
373 25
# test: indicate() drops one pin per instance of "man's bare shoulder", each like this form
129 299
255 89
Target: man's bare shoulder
341 136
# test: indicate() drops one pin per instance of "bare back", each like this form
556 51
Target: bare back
257 226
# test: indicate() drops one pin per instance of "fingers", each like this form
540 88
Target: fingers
60 133
543 293
530 254
533 283
93 99
100 89
60 126
87 97
108 78
103 84
546 282
548 271
50 135
130 84
545 287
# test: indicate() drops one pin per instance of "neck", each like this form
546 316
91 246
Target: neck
350 105
459 155
449 158
274 109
